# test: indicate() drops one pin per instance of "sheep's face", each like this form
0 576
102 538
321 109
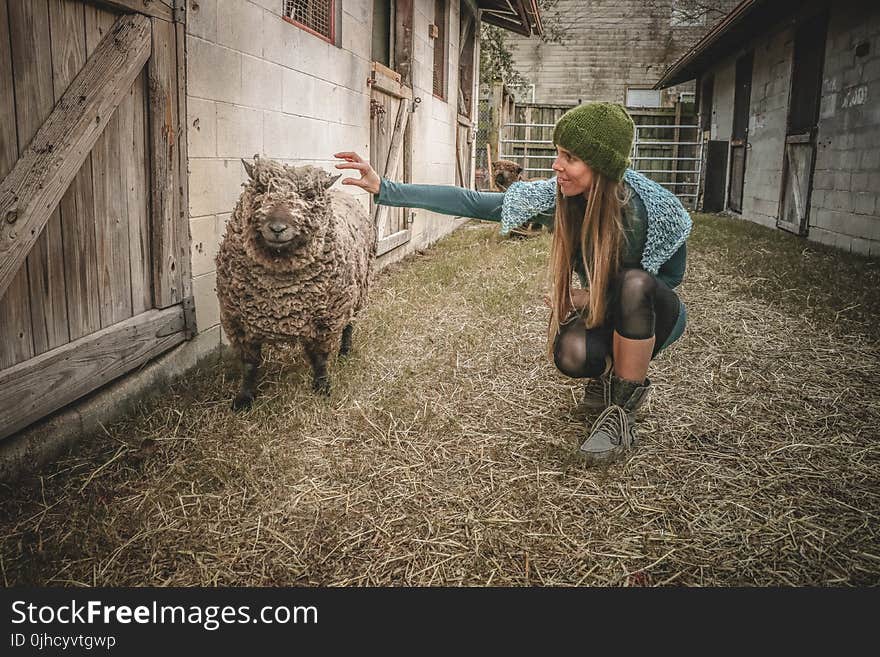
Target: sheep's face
279 230
290 206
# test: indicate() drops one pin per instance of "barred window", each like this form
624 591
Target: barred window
315 16
440 49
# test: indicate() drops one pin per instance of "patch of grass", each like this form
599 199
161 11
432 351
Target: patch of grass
792 273
445 452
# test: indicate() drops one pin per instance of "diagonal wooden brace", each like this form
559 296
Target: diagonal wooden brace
32 190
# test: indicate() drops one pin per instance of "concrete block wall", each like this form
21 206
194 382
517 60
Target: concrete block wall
768 116
435 122
257 84
846 185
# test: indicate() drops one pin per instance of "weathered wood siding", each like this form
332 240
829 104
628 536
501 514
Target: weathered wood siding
90 247
608 44
89 267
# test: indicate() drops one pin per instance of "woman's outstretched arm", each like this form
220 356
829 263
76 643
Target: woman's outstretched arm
444 199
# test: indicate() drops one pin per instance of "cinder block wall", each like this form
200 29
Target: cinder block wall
257 84
434 123
846 186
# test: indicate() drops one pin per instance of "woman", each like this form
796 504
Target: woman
624 236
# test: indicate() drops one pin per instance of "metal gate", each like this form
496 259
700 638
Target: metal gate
671 155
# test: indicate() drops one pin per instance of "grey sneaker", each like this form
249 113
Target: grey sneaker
614 431
597 393
611 436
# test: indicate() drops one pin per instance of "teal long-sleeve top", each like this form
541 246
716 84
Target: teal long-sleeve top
461 202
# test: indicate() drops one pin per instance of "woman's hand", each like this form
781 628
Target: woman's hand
369 179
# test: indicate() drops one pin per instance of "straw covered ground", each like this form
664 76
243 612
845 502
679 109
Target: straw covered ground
444 455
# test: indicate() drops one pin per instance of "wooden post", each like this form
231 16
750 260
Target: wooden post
489 168
163 104
496 117
527 116
676 137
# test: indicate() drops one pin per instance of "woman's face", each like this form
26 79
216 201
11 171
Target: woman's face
573 175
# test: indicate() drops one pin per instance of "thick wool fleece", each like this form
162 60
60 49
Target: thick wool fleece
310 292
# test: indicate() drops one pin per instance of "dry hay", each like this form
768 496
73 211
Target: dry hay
445 452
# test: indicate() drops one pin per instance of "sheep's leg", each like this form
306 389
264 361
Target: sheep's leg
345 347
317 354
251 356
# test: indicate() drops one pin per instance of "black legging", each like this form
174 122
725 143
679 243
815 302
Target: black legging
640 305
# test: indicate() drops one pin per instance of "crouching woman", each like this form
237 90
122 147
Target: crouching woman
621 233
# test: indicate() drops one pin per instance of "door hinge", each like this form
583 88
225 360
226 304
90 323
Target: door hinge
179 14
189 318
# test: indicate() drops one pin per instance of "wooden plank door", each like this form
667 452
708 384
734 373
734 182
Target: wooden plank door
94 266
740 136
803 120
389 122
464 134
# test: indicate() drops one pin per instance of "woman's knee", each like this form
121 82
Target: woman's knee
580 352
633 284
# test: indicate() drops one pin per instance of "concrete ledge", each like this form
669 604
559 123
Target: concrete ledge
46 440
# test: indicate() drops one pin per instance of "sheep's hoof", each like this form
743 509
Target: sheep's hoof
243 401
321 386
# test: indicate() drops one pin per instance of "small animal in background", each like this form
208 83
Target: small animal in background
293 267
505 173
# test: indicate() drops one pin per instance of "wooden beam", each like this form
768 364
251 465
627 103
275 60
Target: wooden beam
163 9
164 165
391 242
184 241
394 152
31 390
35 186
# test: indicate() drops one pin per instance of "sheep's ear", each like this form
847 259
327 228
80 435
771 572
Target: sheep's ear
249 168
329 180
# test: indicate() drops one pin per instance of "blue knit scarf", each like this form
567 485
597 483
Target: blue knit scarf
669 224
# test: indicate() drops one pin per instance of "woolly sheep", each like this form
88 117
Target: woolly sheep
294 265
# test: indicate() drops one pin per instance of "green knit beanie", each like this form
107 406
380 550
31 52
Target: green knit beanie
601 134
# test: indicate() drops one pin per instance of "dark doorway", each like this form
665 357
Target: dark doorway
739 139
803 119
716 170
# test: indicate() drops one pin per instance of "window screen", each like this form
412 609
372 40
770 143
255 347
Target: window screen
315 15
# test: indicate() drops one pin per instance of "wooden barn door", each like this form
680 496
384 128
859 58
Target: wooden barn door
390 109
464 136
803 122
94 245
739 139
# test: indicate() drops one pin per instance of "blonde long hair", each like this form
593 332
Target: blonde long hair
599 232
